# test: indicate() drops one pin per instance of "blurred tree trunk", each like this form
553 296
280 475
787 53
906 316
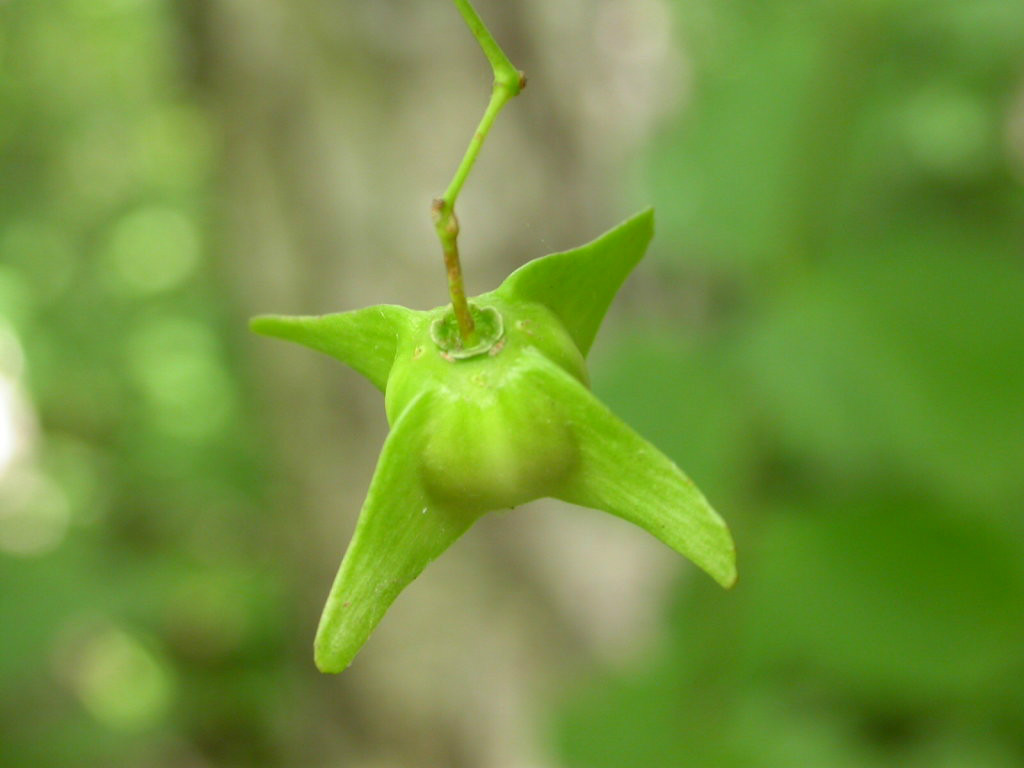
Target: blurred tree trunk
340 121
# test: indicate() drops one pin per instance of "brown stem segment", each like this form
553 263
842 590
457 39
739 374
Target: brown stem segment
448 232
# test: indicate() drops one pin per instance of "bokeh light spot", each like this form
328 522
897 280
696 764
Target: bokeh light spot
120 681
152 250
34 514
17 425
9 437
176 364
949 132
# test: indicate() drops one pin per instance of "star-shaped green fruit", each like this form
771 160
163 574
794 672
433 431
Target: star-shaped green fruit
494 426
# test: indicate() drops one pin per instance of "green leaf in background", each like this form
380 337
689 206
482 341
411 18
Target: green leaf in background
903 365
866 632
845 187
894 598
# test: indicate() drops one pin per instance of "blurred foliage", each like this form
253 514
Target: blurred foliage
846 186
139 608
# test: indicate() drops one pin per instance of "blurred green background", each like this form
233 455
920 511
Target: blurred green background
828 335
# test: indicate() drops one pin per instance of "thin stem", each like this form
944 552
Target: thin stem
499 61
499 97
508 82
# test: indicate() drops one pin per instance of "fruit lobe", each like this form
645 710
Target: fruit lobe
496 437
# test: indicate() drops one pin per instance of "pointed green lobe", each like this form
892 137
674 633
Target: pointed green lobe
365 339
579 285
404 525
400 531
623 474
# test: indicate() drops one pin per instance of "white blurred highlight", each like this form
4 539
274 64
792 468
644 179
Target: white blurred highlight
15 418
34 511
8 430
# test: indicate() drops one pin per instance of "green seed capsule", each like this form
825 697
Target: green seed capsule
496 440
497 422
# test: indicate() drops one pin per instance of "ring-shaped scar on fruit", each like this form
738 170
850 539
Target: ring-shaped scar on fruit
508 420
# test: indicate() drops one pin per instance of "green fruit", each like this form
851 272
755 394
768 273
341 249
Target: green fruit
496 439
494 424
